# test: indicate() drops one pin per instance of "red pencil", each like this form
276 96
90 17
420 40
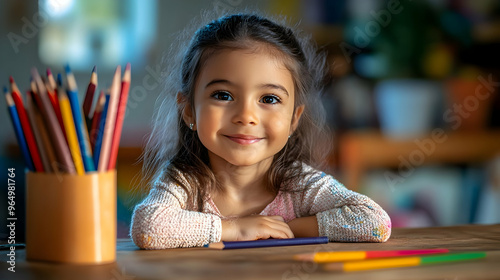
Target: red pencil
25 124
89 95
96 119
54 100
50 79
120 115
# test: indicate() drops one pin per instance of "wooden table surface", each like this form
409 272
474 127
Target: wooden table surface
273 263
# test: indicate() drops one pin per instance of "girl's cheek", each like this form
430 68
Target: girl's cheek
281 120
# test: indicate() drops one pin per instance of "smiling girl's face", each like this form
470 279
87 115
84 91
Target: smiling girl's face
244 106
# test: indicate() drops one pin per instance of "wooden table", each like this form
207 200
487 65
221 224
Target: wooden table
272 263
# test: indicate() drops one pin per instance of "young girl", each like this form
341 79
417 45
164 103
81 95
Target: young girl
232 160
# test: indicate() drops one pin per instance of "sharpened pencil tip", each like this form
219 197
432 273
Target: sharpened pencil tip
303 257
11 80
49 73
34 74
94 69
66 68
59 79
5 90
127 67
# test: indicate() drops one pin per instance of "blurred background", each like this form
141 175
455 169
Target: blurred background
412 94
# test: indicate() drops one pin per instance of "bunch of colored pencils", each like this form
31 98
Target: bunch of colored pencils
367 260
55 134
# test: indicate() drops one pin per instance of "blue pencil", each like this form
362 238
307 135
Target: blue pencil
267 243
81 129
18 129
100 132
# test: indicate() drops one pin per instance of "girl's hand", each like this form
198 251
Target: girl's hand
255 227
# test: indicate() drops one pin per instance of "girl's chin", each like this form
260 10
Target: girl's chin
245 162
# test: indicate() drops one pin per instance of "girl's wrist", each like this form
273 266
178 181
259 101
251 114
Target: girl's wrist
229 230
304 226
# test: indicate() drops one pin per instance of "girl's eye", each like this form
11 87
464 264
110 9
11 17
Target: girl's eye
222 95
270 99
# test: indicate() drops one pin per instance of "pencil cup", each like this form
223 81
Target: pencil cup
71 218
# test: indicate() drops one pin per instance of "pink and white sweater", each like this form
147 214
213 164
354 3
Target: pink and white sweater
162 220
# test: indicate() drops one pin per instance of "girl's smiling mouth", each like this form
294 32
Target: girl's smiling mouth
244 139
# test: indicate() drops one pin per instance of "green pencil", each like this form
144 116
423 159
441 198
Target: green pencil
403 262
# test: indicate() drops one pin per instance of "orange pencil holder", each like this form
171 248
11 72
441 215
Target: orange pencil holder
71 218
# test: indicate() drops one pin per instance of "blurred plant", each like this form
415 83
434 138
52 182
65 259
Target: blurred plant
406 41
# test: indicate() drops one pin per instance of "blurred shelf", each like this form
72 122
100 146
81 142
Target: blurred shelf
364 150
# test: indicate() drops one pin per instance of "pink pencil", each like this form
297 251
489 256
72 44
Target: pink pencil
110 122
122 106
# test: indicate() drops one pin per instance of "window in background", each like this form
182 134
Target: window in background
104 32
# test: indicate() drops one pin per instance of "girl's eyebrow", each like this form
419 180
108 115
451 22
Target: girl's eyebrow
275 86
219 81
269 85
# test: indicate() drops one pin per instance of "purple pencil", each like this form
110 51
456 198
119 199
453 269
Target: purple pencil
267 243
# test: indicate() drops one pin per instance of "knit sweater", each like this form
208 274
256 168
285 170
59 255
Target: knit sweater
162 220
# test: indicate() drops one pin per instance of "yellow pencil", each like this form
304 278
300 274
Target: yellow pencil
69 126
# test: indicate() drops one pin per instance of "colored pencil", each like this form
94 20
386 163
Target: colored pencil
30 109
18 129
26 126
46 142
94 130
340 256
267 243
50 79
110 122
403 261
52 93
100 131
89 96
53 163
122 107
53 127
81 128
69 125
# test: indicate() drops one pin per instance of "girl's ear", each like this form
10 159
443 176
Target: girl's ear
187 111
296 117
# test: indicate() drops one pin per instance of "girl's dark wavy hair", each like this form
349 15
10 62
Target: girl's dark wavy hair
172 147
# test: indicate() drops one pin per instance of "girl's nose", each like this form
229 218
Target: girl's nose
245 113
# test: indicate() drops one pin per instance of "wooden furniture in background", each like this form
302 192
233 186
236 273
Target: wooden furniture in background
363 150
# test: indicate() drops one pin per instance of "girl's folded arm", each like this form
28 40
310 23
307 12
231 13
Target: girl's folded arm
344 215
161 221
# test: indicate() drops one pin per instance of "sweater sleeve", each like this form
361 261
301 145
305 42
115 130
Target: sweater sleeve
342 214
161 221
